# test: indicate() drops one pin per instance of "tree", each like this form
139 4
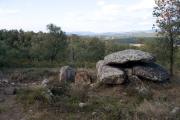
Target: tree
168 23
56 42
95 49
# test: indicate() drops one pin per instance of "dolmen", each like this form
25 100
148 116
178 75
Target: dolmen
119 67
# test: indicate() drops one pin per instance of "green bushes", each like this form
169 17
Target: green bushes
58 88
2 109
55 48
19 48
29 96
160 48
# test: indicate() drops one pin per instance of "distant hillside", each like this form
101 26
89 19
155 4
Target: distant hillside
116 35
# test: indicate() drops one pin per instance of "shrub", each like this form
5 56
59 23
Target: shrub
58 88
79 93
2 109
29 96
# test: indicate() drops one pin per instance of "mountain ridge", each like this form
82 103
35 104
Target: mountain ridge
145 33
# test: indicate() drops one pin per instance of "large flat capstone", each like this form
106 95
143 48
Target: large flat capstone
129 55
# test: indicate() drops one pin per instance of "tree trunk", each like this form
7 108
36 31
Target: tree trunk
171 54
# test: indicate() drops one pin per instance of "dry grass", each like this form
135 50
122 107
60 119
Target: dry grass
139 101
152 108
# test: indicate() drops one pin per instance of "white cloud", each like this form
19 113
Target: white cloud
8 11
115 17
142 5
106 16
100 2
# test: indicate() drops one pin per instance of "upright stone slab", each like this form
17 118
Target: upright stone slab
99 66
109 75
67 74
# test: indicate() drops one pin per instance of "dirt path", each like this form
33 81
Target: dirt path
10 109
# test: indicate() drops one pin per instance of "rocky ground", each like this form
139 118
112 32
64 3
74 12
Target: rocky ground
137 100
126 85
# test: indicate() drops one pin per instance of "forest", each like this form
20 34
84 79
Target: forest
55 48
30 49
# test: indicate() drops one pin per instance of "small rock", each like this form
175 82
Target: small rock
124 93
122 101
5 81
30 110
94 113
82 105
49 92
175 110
2 99
34 83
9 91
13 83
144 92
44 82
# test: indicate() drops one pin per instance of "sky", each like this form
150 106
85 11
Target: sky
77 15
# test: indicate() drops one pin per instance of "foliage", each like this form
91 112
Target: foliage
58 88
29 96
30 49
112 46
55 48
85 50
155 47
19 48
168 23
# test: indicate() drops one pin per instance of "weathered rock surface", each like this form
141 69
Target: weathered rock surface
129 55
111 75
9 91
82 78
99 66
129 64
67 74
44 82
151 71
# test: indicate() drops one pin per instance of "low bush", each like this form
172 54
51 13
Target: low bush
79 92
29 96
58 88
2 109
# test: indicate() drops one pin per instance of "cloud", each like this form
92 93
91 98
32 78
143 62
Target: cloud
100 2
112 17
8 11
142 5
104 16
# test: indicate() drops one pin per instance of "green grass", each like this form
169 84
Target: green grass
29 96
2 109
